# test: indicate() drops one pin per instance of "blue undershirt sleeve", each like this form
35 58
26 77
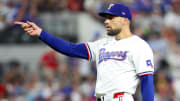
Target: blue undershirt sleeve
147 88
70 49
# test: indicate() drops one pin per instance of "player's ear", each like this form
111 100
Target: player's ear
126 20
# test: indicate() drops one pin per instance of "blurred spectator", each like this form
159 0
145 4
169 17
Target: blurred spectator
88 85
170 34
50 62
51 5
177 86
156 20
59 95
172 18
14 80
2 91
164 87
46 5
164 5
27 11
93 7
142 5
142 24
84 68
2 15
63 92
76 93
33 87
65 84
159 47
46 91
75 5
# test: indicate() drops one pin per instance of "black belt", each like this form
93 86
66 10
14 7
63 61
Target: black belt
101 98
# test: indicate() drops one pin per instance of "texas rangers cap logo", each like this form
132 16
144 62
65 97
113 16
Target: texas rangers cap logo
110 6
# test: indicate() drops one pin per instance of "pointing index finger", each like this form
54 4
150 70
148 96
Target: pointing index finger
19 23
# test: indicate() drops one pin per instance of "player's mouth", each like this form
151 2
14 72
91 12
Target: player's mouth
108 28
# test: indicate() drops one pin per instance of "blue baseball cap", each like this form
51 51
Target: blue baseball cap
117 9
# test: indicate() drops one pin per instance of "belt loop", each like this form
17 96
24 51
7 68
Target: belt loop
102 98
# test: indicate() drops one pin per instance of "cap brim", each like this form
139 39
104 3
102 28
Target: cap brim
103 14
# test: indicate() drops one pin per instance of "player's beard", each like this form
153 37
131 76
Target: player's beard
113 32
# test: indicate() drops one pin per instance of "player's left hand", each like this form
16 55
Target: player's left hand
31 28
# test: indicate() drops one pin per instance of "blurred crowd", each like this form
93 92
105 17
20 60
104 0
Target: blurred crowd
71 79
55 79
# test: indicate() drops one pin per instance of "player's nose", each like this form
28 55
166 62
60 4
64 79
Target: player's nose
106 21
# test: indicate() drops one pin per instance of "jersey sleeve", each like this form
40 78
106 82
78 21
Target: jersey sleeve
92 49
143 60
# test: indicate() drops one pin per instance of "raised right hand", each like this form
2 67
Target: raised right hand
31 28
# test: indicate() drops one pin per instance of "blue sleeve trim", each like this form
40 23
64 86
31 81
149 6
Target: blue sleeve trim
64 47
147 88
88 51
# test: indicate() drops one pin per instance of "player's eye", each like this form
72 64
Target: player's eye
110 16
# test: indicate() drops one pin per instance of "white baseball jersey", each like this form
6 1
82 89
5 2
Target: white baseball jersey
119 63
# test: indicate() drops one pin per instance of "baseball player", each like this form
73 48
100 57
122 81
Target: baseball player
123 60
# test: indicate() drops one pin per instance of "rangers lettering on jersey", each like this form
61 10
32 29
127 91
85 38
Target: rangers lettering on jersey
113 55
